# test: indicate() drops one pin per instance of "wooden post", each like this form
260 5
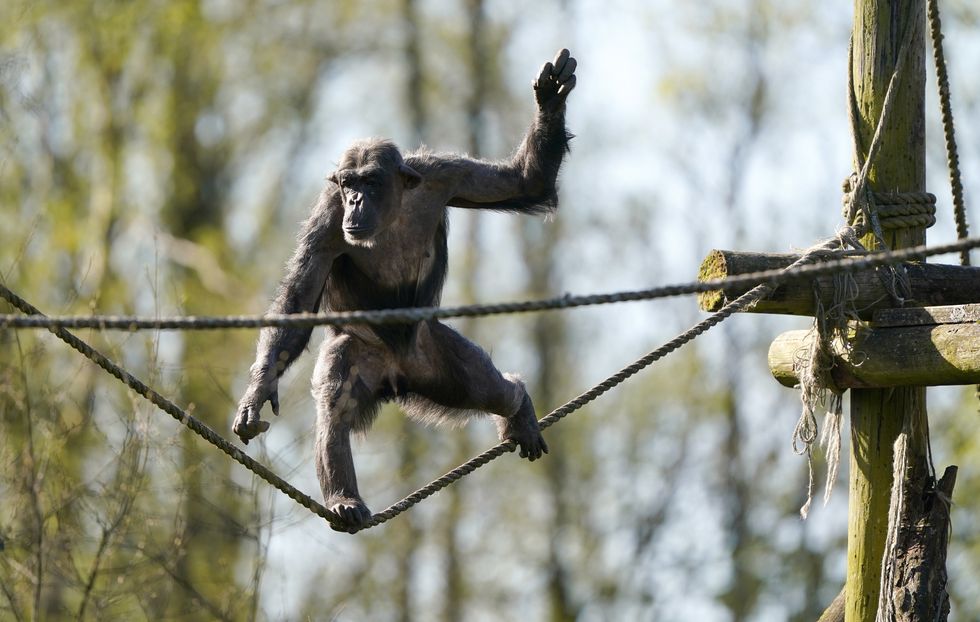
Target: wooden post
877 416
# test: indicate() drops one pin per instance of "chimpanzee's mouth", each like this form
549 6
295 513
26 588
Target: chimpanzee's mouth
358 233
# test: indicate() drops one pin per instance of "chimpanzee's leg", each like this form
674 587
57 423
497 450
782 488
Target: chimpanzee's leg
452 371
346 385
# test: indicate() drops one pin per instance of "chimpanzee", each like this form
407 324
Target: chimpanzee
376 239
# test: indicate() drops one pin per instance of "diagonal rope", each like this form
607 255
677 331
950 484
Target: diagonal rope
827 265
742 302
196 425
946 106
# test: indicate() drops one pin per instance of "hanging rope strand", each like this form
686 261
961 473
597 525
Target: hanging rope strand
946 106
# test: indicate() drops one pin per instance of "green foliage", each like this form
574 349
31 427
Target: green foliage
155 157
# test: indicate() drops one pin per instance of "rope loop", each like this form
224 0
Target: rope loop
891 210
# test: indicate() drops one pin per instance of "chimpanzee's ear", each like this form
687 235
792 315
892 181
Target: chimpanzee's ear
410 176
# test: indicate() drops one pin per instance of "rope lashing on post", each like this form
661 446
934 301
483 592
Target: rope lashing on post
901 210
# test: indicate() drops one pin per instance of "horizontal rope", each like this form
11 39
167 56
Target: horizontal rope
407 316
769 279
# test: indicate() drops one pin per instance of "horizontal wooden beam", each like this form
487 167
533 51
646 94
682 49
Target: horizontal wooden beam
918 316
932 284
880 357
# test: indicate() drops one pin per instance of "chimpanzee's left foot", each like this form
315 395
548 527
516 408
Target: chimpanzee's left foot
522 428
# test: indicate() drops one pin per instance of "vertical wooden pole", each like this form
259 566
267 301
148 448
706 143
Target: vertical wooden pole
877 416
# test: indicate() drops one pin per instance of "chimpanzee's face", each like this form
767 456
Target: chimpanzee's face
372 177
369 195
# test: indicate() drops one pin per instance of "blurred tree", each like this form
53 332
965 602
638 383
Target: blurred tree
155 158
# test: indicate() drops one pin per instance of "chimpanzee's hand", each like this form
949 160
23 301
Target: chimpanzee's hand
248 423
555 82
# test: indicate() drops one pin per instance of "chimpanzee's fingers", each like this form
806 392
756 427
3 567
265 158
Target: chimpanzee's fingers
566 88
543 75
560 59
274 400
567 71
241 420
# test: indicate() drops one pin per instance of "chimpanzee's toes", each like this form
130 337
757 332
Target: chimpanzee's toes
529 440
247 428
351 514
522 428
533 448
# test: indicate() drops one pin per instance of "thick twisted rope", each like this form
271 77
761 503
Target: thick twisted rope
203 430
774 277
902 210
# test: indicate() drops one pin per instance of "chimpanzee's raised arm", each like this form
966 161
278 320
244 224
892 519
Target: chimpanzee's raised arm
300 290
526 183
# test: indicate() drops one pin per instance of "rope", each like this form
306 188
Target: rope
775 277
764 281
196 425
902 210
895 210
949 135
946 106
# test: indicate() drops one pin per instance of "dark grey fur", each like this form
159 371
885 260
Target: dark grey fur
376 239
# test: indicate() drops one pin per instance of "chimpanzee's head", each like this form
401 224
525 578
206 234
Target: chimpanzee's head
372 177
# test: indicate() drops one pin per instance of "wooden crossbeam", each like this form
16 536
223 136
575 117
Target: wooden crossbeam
911 347
931 285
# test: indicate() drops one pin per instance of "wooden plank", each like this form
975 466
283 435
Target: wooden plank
927 355
921 316
931 285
